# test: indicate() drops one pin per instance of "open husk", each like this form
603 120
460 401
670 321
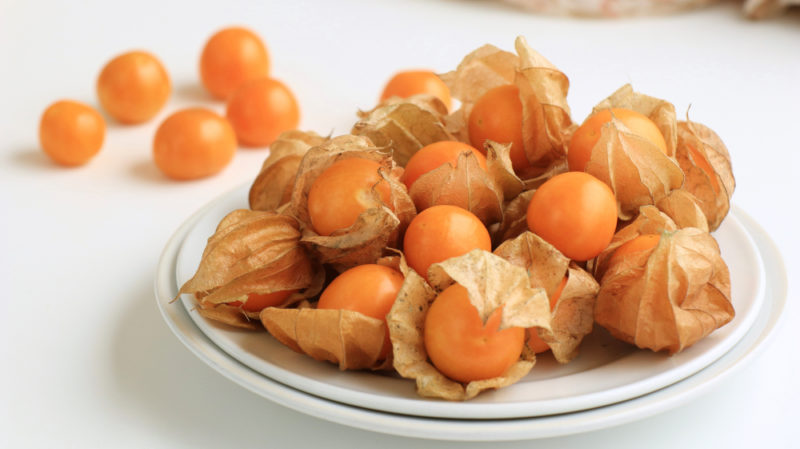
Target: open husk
347 338
572 316
378 227
465 185
668 297
515 218
491 283
404 125
543 93
251 252
637 170
707 165
272 187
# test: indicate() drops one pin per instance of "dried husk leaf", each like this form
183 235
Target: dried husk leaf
515 218
667 298
683 208
465 185
637 171
404 125
573 314
543 94
349 339
480 271
713 191
251 252
272 187
378 227
650 220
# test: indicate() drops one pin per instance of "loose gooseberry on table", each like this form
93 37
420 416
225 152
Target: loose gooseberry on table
71 133
432 156
343 191
497 116
586 136
461 346
575 212
193 143
441 232
408 83
133 87
229 58
260 110
369 289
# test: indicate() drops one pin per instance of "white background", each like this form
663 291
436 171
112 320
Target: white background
87 361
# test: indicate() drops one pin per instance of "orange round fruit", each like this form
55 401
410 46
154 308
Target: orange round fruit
414 82
343 191
369 289
133 87
643 242
231 57
497 116
462 347
260 110
193 143
431 157
575 212
587 135
71 133
257 302
441 232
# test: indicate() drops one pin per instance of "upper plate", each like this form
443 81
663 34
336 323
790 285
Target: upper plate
606 372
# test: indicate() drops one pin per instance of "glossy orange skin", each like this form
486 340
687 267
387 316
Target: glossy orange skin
414 82
431 157
441 232
643 242
71 133
576 213
133 87
587 135
369 289
257 302
460 346
231 57
497 116
341 193
260 110
193 143
535 342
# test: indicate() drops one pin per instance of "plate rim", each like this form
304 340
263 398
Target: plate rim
770 318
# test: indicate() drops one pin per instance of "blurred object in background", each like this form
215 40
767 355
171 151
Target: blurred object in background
755 9
759 9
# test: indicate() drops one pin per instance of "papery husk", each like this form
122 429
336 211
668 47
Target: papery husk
637 170
515 218
714 203
405 125
491 282
684 209
667 298
344 337
466 185
650 220
573 314
498 163
543 92
375 229
272 187
251 252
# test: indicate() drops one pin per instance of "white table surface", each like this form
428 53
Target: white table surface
86 359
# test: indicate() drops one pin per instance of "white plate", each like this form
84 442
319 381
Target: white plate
607 371
763 327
